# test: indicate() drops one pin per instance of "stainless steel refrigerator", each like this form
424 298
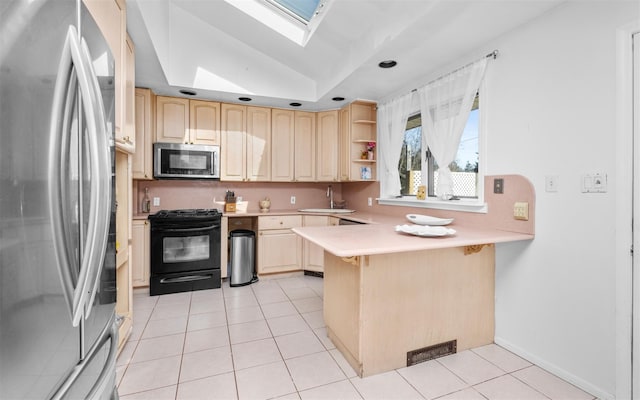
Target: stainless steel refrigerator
58 335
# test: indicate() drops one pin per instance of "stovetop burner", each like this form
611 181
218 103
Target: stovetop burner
197 213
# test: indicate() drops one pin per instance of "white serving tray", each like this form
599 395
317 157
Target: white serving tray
425 231
428 220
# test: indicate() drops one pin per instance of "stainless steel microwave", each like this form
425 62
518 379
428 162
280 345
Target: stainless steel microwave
186 161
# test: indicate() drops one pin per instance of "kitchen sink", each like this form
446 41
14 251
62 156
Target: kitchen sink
327 210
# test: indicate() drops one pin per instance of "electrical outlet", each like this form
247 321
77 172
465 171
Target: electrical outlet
293 199
369 201
156 201
521 210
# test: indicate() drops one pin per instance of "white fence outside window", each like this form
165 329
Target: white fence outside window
464 183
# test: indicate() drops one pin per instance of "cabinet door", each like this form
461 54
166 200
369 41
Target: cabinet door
279 251
305 146
233 143
129 95
327 146
123 200
204 122
172 120
142 164
314 254
140 247
344 147
258 144
282 140
111 19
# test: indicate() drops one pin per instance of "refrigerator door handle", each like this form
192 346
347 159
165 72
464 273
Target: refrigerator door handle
75 59
100 140
108 334
64 101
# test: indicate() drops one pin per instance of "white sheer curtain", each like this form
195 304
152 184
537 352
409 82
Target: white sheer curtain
392 122
445 105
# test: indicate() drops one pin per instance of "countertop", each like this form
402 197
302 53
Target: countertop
379 237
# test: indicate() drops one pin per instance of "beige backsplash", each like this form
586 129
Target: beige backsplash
183 194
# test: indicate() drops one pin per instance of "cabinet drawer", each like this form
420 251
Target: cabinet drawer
279 222
240 223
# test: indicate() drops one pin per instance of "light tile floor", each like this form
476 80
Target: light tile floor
268 341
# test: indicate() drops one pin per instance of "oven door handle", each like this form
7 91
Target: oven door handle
180 230
187 278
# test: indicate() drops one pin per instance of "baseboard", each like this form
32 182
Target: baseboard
555 370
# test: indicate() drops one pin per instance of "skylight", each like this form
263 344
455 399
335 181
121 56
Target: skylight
302 8
296 20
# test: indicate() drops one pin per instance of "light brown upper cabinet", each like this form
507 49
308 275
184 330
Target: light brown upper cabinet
258 144
111 17
305 147
204 122
172 120
187 121
245 143
129 94
344 145
142 164
327 146
282 140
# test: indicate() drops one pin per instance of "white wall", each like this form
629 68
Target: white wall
551 110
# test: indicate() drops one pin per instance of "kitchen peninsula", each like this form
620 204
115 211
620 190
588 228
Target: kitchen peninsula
392 299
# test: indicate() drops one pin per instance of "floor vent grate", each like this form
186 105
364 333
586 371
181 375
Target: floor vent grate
314 273
429 353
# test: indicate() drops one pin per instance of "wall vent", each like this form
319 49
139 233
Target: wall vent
314 273
429 353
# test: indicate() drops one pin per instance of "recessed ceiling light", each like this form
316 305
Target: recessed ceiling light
244 98
295 104
387 64
188 92
338 98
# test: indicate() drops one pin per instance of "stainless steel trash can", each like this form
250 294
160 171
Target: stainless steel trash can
242 257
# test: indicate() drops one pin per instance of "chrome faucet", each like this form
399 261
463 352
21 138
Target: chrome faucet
330 196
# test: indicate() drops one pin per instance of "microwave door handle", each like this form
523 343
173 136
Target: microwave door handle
100 193
64 100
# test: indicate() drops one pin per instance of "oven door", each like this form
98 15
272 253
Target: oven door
185 246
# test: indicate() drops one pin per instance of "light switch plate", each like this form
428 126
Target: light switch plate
156 201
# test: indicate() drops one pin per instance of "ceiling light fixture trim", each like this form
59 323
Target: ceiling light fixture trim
387 64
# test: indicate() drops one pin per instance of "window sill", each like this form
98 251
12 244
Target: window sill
453 205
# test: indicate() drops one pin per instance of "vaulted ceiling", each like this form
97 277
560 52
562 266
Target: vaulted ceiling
218 51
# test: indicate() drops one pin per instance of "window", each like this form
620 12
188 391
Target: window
296 20
300 8
464 168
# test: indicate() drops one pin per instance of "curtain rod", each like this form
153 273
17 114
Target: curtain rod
493 54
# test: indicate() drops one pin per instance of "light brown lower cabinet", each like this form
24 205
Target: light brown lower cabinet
314 254
140 243
279 249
